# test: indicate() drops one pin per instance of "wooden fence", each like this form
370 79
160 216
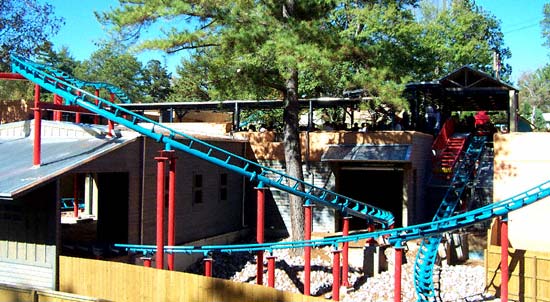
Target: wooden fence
529 279
120 282
18 293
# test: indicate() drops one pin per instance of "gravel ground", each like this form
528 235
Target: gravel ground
458 283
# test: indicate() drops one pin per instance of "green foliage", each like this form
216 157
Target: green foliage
545 24
156 82
24 26
247 49
534 95
463 34
112 64
62 59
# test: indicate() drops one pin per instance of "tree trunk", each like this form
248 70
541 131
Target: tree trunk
293 156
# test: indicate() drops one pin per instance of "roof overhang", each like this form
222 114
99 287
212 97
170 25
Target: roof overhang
368 153
80 145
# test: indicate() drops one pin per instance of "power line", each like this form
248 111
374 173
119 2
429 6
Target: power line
522 27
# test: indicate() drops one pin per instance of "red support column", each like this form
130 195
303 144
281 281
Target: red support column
208 266
146 261
171 206
336 275
345 266
77 114
271 271
371 241
308 215
57 100
260 213
397 274
111 124
37 128
96 117
75 195
161 161
504 272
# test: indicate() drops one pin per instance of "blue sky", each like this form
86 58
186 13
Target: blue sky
520 25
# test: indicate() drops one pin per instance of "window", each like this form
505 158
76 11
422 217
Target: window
197 188
223 187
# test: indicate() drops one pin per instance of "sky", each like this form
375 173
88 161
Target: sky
520 23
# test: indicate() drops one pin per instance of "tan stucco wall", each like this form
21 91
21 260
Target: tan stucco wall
12 111
268 146
522 161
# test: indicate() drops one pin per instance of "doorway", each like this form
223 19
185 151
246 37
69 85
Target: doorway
379 187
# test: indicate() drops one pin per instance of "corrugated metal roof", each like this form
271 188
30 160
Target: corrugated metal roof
372 153
65 146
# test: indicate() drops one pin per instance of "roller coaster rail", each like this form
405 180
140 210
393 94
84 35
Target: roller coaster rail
71 90
163 134
427 252
121 95
395 237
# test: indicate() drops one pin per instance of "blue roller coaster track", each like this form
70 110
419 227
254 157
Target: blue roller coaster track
117 91
55 82
444 221
427 253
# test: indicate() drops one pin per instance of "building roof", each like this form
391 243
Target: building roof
368 153
232 105
65 146
466 89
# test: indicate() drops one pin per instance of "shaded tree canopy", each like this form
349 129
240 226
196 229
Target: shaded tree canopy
114 65
286 49
156 82
24 27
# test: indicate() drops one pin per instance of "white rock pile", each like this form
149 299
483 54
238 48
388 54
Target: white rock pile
457 283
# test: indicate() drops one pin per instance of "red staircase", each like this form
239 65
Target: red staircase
447 148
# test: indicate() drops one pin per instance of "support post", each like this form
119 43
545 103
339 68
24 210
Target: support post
397 275
336 275
96 117
77 114
504 271
260 213
146 261
271 271
57 100
161 163
111 124
345 251
37 128
308 215
208 266
171 206
75 195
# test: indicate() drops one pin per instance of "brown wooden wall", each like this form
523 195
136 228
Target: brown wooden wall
529 280
124 282
19 293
